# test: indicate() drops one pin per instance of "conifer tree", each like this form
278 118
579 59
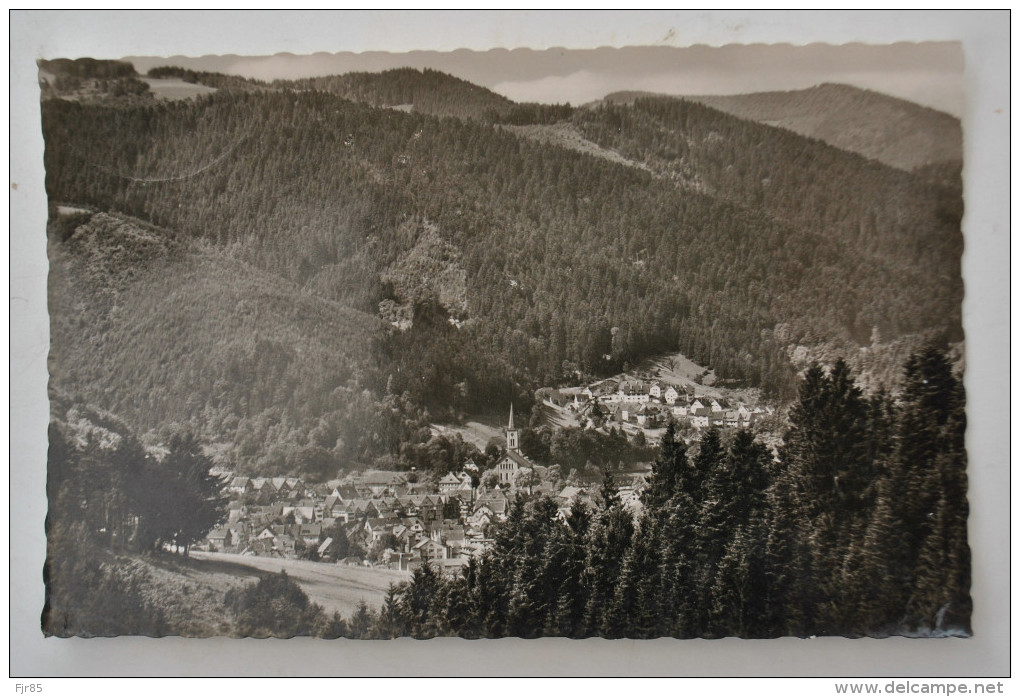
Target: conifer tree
668 470
731 539
608 540
931 473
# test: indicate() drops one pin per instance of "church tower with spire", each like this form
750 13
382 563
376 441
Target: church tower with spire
513 443
513 461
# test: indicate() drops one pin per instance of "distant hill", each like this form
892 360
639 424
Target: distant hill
894 131
91 80
425 91
88 68
406 89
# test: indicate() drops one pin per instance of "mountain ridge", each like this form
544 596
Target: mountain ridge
895 131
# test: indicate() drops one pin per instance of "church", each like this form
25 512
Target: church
513 462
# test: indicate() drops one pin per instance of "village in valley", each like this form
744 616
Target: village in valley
398 520
385 519
643 407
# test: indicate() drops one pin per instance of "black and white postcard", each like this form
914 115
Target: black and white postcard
632 342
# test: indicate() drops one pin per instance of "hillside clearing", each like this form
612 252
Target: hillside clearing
567 135
175 88
474 432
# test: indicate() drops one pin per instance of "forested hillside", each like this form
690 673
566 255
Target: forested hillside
326 251
173 333
893 131
426 91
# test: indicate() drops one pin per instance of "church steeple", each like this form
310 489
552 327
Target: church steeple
512 442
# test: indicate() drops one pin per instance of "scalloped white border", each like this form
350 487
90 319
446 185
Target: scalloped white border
985 38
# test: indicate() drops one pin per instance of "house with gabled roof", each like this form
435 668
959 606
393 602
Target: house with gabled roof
634 392
700 417
415 525
381 482
259 548
332 505
307 532
497 492
285 545
498 507
451 534
240 485
670 395
348 492
429 507
481 519
377 528
236 510
358 508
646 416
449 482
429 550
219 539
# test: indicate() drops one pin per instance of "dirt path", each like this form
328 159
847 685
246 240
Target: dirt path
335 588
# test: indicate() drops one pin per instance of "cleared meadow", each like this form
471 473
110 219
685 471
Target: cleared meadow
335 588
173 88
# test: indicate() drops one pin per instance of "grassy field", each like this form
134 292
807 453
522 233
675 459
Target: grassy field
173 88
335 588
474 432
191 591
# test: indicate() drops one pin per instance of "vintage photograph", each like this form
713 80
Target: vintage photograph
627 343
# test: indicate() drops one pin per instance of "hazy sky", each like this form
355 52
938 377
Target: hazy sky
927 73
